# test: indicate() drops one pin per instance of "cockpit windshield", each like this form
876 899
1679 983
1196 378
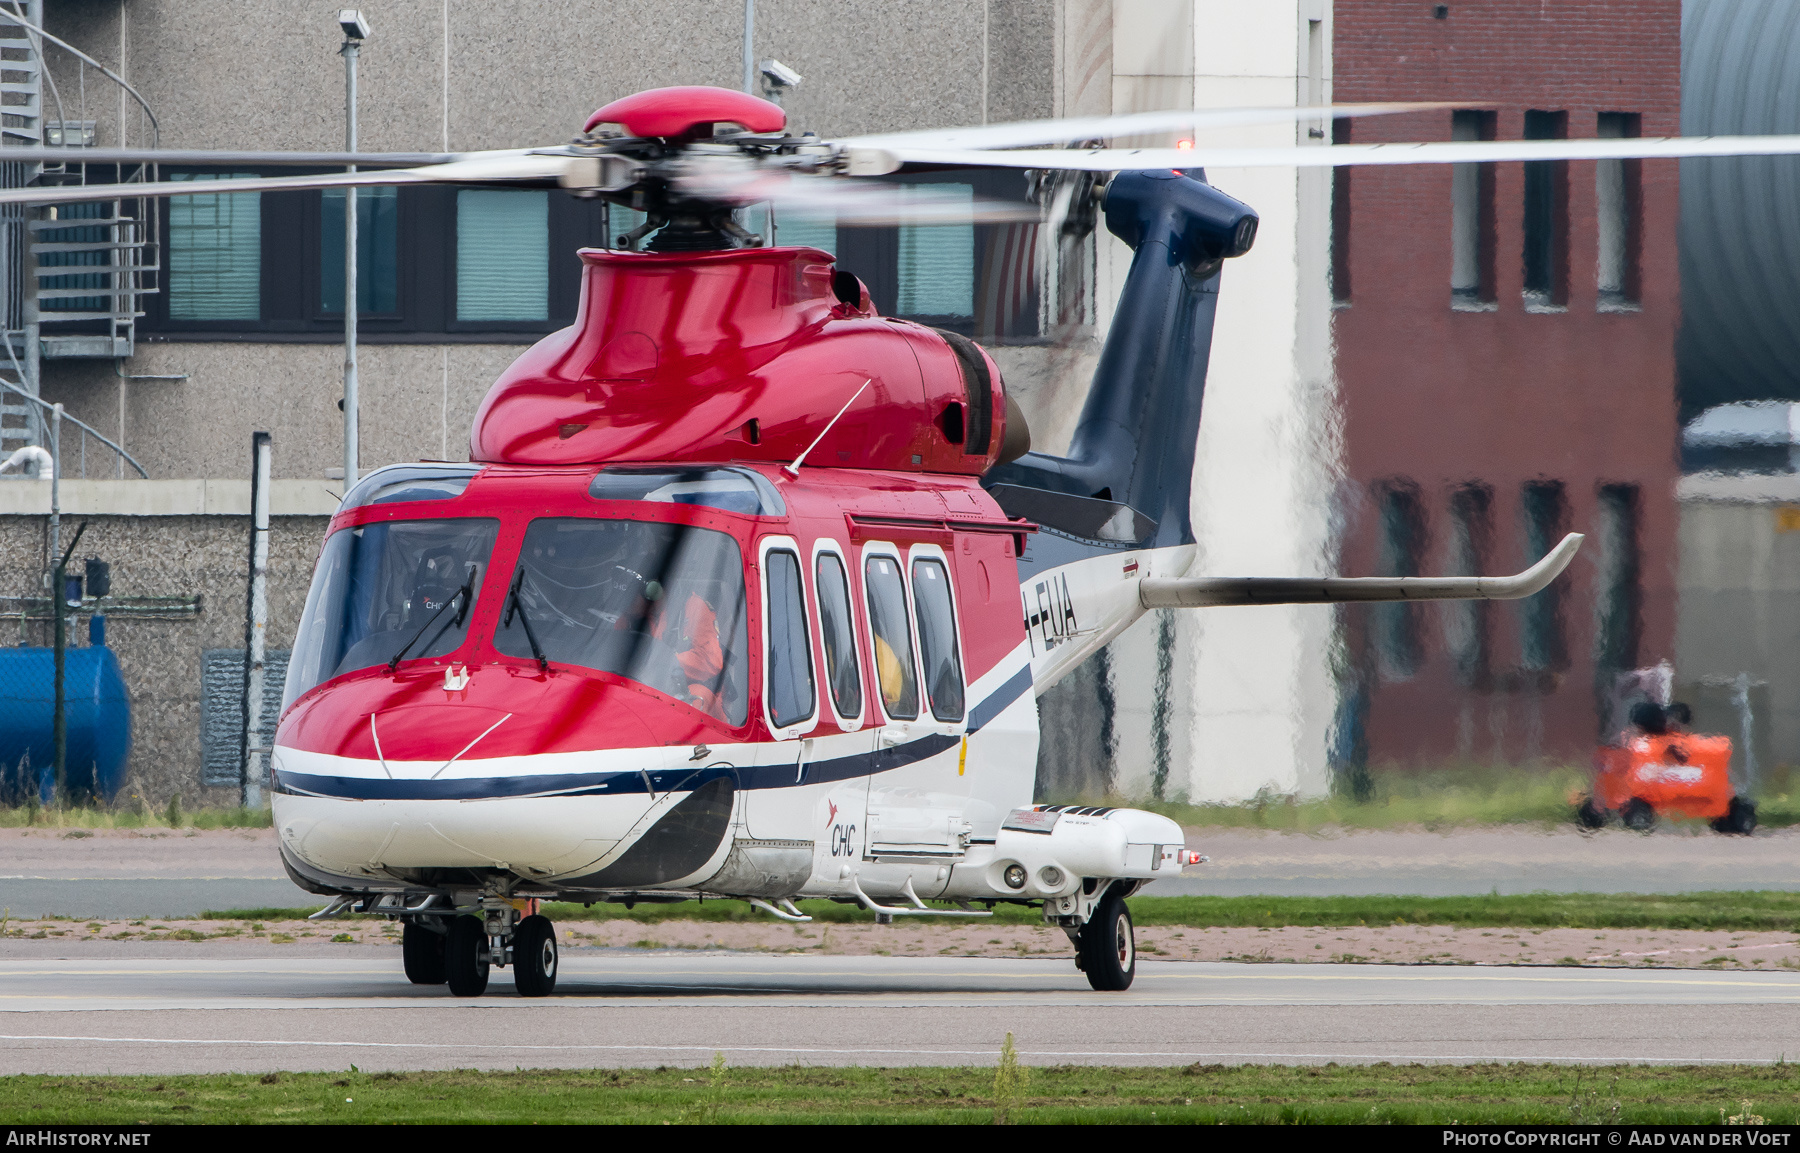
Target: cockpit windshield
662 604
389 591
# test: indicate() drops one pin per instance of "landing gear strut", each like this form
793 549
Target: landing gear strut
475 944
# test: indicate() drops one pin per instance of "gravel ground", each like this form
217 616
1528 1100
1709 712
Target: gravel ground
1396 944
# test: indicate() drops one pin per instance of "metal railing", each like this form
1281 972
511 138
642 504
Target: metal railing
54 418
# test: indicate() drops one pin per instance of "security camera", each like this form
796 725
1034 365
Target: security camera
352 22
778 79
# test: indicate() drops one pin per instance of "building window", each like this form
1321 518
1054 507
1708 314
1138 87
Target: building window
215 252
1340 220
502 254
1466 622
1543 644
1618 609
802 231
1397 645
377 251
1472 219
1618 190
937 261
1546 218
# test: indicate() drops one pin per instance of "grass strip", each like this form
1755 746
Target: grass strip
1765 911
1203 1094
138 817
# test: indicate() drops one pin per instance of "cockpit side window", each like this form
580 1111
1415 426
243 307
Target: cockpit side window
792 695
662 604
892 629
393 589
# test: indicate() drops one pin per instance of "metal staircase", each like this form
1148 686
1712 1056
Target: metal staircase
72 280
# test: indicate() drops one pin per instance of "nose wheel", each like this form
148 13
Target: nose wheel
1107 945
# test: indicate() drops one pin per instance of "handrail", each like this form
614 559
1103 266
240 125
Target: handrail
76 421
19 19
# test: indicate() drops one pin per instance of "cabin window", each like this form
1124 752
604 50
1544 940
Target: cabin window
892 630
381 590
841 669
661 604
789 672
215 252
937 639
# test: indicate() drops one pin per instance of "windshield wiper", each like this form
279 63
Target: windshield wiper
514 606
460 597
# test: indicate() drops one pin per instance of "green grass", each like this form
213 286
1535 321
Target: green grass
1408 1094
1736 911
1442 799
120 817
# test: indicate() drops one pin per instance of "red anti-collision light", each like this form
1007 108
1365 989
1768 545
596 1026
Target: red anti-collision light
666 112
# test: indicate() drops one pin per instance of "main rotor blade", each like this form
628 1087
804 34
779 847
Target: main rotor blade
474 168
1080 128
852 203
47 155
877 162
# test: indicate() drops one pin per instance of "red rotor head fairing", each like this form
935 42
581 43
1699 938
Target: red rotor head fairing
688 112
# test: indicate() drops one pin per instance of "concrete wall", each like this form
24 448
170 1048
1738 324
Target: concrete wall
1740 592
196 555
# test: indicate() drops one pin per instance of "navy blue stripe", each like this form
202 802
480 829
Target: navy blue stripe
617 783
995 702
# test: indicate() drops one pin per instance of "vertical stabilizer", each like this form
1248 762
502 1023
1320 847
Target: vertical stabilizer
1136 439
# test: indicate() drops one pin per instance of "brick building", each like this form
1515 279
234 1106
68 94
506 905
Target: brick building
1505 358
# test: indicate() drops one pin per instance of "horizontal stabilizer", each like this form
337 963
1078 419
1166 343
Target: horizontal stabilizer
1201 592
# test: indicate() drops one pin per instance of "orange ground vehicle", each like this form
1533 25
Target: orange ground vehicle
1652 770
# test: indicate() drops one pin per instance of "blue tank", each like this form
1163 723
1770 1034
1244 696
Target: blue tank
99 721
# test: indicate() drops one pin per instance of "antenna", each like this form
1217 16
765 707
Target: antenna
793 470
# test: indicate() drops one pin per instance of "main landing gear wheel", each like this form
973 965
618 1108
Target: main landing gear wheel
1589 815
465 957
534 957
423 952
1106 945
1637 814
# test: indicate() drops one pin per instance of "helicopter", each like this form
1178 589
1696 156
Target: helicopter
748 591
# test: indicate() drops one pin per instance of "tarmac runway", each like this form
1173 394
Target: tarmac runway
159 1009
127 874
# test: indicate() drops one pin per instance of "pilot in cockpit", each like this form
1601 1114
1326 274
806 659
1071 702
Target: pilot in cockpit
436 579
